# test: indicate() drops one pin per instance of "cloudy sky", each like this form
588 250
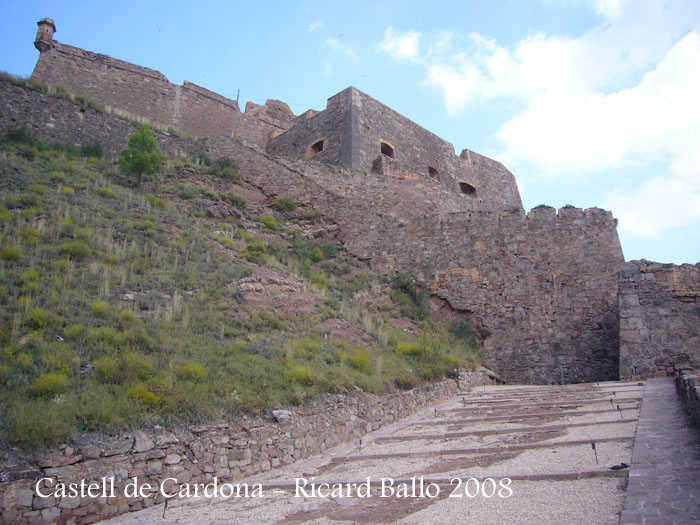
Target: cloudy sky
587 102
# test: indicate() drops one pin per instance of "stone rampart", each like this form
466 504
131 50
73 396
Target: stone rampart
659 317
146 92
543 285
195 455
359 132
53 119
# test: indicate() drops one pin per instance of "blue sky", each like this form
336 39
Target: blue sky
587 102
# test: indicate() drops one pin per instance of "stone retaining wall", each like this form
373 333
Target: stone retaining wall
198 454
688 386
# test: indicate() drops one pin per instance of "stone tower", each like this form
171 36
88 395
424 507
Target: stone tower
44 34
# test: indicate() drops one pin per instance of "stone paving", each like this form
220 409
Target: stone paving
664 481
540 438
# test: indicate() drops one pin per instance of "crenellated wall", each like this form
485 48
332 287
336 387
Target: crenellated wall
659 317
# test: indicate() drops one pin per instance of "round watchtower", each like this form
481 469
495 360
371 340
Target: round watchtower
44 34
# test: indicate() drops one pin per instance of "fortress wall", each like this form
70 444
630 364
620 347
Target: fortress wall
417 147
139 90
332 124
544 285
54 119
148 93
354 124
659 316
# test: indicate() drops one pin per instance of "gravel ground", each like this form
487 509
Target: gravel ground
594 500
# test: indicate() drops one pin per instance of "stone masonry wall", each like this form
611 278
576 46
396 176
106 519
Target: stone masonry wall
543 285
198 454
659 317
54 119
146 92
355 123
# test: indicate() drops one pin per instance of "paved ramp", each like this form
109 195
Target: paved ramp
509 454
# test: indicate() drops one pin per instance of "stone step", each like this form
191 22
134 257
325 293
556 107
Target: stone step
562 404
482 450
520 430
508 418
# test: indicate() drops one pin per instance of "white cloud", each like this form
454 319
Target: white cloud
624 95
403 46
346 49
313 26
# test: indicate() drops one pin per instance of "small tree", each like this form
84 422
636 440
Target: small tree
143 157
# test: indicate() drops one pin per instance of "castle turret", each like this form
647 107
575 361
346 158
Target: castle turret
44 34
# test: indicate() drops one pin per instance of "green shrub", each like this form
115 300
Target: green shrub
236 200
67 191
225 169
140 393
143 156
227 241
192 371
75 249
107 193
127 317
317 254
269 221
361 360
99 309
49 384
37 423
30 236
408 296
319 280
41 318
95 149
255 251
284 203
82 234
411 349
108 369
299 374
10 254
155 201
39 189
5 214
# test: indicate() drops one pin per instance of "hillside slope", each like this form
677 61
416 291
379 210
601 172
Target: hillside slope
195 297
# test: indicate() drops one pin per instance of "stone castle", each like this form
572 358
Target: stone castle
548 289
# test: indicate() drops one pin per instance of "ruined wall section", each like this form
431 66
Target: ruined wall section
148 93
659 317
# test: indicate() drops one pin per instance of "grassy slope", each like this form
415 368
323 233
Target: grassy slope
183 344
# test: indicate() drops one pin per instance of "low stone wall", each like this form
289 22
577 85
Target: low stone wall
688 386
199 454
